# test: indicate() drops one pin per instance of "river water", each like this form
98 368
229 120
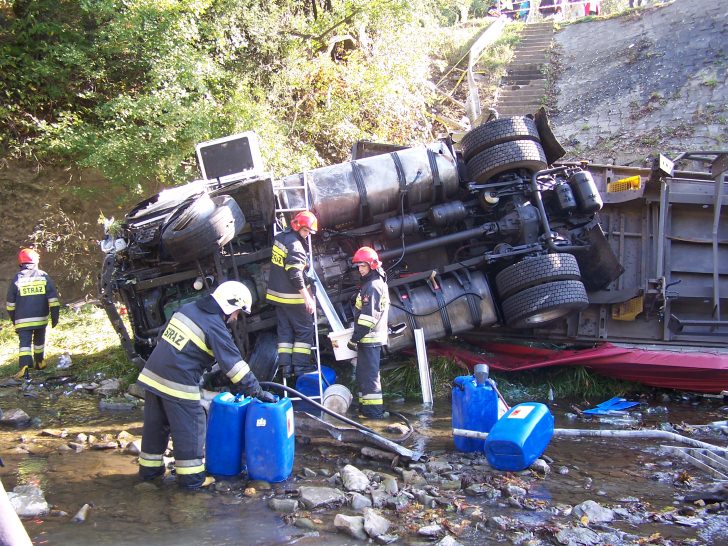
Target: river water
609 471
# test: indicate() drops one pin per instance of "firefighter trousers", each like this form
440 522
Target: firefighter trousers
295 339
32 347
185 421
368 382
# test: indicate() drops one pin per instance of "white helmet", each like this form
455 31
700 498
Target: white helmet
233 295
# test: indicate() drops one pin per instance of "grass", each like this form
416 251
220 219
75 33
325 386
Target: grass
562 382
86 335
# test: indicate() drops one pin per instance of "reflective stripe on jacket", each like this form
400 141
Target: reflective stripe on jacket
31 297
288 263
192 341
372 305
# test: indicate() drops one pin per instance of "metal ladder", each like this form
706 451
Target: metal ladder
309 251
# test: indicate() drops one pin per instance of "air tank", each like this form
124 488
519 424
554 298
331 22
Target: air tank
586 192
351 194
565 197
462 313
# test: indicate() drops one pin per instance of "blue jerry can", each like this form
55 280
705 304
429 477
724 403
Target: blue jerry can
519 437
270 446
474 407
225 441
308 384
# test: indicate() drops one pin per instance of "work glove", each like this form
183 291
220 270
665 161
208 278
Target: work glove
353 345
267 397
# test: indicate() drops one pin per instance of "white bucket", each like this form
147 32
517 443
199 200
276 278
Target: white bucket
339 341
337 398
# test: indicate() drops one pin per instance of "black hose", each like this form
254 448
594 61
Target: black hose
439 308
405 436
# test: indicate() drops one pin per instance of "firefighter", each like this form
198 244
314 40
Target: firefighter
31 297
370 331
192 341
289 293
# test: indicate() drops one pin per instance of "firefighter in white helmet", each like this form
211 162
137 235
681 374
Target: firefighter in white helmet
192 341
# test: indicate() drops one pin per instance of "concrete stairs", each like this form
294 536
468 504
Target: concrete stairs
523 87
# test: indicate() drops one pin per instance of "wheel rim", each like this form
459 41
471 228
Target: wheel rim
546 316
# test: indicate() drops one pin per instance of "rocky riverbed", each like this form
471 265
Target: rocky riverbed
71 471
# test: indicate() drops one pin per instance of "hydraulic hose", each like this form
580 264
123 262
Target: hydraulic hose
289 390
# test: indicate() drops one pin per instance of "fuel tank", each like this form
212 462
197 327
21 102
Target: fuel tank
444 306
352 194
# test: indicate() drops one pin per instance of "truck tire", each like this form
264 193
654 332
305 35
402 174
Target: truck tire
263 359
508 156
544 303
188 236
497 132
537 270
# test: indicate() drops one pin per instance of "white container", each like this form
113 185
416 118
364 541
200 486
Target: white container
339 341
337 398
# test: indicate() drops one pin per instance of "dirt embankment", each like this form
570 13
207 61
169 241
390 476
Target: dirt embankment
655 80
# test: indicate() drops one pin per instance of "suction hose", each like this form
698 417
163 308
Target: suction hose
289 390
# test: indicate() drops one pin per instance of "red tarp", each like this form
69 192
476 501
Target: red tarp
699 370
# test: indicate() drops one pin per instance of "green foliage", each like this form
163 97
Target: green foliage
128 87
404 378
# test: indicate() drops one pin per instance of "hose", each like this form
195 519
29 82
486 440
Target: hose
437 309
289 390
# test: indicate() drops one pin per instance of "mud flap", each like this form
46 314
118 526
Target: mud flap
598 264
550 145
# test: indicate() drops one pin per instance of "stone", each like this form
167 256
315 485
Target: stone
579 536
108 387
359 501
540 466
314 497
514 491
305 523
595 512
438 467
374 523
351 525
115 404
28 501
134 448
430 531
390 486
354 479
379 498
285 506
15 417
308 473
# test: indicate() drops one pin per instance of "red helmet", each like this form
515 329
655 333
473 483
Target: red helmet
366 255
305 219
28 256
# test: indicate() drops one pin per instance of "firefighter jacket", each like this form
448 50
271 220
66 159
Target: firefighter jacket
193 339
31 296
288 264
372 310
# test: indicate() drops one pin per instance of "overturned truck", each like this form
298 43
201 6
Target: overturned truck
487 234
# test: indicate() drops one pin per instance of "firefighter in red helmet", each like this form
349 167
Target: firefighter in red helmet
370 331
288 291
32 296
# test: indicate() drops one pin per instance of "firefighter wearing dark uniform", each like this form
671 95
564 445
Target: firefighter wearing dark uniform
31 297
193 340
288 292
370 332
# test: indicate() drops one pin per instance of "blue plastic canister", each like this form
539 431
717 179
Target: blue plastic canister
519 437
308 384
269 440
474 407
225 441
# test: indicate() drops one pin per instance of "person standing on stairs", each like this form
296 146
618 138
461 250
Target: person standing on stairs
289 293
370 332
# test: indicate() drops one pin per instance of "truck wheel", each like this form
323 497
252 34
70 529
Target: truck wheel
537 270
497 132
263 359
544 303
508 156
190 236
